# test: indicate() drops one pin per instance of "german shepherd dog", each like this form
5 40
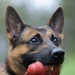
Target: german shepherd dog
29 44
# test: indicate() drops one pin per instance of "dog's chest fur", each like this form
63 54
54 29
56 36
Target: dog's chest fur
3 69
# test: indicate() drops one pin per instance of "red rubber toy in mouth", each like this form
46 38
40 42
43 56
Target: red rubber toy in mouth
38 68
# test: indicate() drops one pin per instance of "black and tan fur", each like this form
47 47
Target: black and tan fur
29 44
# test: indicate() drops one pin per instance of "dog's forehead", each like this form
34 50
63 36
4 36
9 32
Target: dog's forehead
46 30
29 32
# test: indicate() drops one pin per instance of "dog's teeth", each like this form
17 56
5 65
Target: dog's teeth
52 68
58 68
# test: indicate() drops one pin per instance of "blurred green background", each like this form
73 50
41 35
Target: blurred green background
36 13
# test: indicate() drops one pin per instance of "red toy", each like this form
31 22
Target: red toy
38 68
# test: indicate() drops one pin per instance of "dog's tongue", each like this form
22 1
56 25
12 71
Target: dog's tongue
38 68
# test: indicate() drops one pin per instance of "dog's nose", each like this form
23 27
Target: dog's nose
58 53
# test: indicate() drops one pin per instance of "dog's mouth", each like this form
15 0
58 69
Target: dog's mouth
42 69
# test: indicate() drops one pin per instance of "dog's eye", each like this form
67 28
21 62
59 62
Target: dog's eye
36 39
55 40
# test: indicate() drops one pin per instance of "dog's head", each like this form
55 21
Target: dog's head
29 44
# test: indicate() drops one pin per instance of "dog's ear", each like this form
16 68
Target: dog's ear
57 21
14 25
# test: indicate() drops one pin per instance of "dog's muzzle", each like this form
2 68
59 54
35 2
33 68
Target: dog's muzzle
46 56
50 58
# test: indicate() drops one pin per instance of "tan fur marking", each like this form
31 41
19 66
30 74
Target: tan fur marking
61 36
30 33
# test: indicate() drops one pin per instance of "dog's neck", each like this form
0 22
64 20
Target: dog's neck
10 71
14 70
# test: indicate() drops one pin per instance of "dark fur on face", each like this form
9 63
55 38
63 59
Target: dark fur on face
29 44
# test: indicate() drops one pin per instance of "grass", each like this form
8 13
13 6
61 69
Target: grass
68 66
